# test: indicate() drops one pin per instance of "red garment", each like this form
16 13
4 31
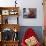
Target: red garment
29 33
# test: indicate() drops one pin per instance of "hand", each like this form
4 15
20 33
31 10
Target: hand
32 41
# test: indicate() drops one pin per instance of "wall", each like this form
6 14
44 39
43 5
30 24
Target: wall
27 4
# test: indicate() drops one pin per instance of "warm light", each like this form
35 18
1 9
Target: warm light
12 10
15 30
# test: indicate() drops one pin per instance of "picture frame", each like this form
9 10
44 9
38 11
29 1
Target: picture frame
5 12
29 12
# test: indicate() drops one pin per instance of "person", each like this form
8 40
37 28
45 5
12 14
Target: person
30 38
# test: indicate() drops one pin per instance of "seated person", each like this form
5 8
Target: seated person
30 38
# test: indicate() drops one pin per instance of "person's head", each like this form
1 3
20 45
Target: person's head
29 33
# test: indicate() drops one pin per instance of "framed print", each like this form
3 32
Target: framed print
5 12
29 12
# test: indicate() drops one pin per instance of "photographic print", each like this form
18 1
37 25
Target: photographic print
5 12
29 12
